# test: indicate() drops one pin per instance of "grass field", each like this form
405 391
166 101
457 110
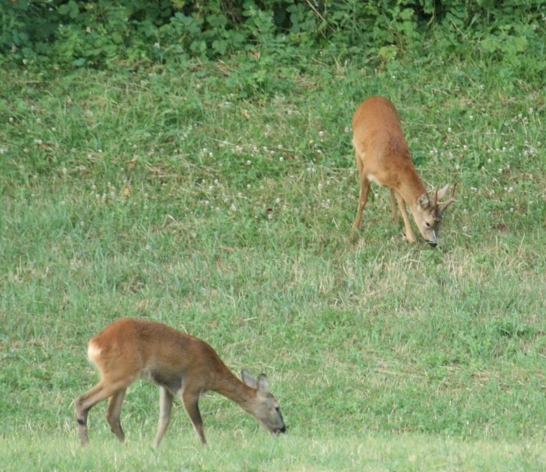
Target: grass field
221 203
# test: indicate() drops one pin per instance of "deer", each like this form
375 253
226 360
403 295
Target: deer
182 365
382 156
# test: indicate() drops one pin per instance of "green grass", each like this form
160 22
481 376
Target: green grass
167 195
412 453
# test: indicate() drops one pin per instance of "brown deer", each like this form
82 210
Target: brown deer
180 364
382 156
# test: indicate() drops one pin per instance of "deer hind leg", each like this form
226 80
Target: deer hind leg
410 235
113 413
191 400
393 205
363 194
165 404
88 400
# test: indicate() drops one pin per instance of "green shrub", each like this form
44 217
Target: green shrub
98 32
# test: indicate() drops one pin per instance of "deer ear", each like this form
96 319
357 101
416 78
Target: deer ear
263 384
423 201
248 379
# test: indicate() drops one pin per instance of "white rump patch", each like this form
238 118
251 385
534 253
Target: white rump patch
93 352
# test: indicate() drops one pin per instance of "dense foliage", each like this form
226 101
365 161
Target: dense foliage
99 32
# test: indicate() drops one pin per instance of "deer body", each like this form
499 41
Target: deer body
382 156
182 366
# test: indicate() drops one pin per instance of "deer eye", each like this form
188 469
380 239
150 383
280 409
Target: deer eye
427 224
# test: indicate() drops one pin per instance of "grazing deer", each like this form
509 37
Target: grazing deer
382 156
180 364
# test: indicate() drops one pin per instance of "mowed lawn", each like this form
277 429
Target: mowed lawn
184 196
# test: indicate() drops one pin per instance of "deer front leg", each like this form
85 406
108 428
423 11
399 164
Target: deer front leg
165 404
410 235
191 404
362 200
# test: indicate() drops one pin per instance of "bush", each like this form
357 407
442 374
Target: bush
98 32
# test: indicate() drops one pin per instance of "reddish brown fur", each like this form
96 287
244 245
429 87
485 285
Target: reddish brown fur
180 364
382 156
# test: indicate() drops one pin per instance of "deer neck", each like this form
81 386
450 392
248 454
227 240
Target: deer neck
231 387
411 188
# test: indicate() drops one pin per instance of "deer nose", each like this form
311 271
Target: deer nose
432 243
